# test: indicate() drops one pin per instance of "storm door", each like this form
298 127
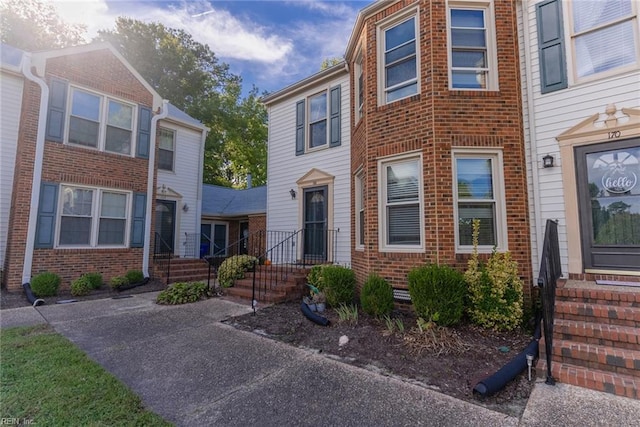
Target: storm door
315 224
165 226
609 204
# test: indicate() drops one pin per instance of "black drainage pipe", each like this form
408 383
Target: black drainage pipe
133 285
30 296
320 320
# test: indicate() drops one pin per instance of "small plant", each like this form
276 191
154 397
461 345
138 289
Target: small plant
81 286
348 313
45 284
182 293
134 276
338 284
314 278
438 293
234 268
95 279
389 323
117 282
376 297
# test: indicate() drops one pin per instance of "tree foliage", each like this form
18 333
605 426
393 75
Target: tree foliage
329 62
35 25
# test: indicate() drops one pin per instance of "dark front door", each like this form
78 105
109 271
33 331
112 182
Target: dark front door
165 226
609 203
315 224
243 238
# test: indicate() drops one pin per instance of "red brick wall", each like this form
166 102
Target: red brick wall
431 123
103 72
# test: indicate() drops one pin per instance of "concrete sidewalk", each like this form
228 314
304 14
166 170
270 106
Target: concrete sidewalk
192 369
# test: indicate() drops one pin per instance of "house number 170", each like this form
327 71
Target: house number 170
615 134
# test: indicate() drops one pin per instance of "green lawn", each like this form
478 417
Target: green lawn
46 380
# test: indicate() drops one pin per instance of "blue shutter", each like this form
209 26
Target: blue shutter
46 224
57 109
300 128
138 219
144 132
334 117
551 51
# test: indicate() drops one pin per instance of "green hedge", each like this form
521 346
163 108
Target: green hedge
376 296
45 284
438 293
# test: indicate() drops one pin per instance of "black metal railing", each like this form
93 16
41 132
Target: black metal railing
162 251
550 272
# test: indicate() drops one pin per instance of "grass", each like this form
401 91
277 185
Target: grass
46 380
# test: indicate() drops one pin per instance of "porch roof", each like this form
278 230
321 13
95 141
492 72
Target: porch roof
230 202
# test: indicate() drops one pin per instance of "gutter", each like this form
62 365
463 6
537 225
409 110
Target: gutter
164 111
37 167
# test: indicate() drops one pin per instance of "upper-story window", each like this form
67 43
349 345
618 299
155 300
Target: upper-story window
398 73
604 36
100 122
359 92
166 149
472 54
318 121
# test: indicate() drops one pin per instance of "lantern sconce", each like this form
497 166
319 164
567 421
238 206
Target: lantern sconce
547 161
293 194
185 207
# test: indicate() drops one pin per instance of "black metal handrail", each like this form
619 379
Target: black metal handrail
550 272
162 251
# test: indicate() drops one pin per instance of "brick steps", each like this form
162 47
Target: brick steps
596 338
182 270
269 289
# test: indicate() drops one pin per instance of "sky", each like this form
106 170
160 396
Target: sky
269 43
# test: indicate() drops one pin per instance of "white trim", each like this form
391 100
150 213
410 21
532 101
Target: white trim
497 178
359 205
174 133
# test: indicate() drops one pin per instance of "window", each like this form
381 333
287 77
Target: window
359 86
401 227
471 54
100 122
604 35
359 193
398 75
318 120
92 217
166 149
478 190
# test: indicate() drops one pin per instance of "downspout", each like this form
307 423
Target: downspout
533 151
150 186
199 190
37 167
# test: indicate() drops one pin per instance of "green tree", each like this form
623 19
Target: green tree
329 62
35 25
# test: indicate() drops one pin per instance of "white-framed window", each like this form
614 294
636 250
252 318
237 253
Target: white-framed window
472 52
318 120
401 206
359 92
360 223
398 73
478 188
100 122
93 217
604 36
166 148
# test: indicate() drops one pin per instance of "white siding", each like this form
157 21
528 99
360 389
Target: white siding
184 180
285 168
558 111
11 104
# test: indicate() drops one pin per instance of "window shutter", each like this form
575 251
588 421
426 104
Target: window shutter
144 132
551 52
57 109
300 128
334 131
138 219
46 224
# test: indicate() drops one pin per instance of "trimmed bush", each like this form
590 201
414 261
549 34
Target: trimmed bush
134 276
437 293
95 279
315 275
376 296
45 284
338 284
117 282
182 293
81 286
234 268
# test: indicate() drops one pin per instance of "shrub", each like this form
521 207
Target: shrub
117 282
437 293
495 290
315 275
338 284
182 293
95 279
134 276
376 297
234 268
81 286
45 284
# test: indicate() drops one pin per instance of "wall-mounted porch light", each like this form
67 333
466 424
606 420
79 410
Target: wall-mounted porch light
293 194
547 161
